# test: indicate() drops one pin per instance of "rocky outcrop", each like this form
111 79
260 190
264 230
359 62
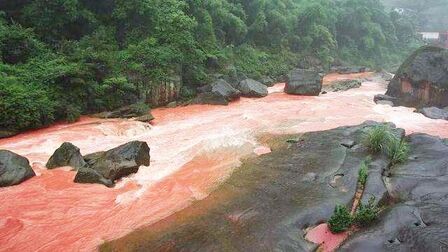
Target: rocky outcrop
108 166
434 113
66 155
422 80
252 88
342 85
14 169
420 222
131 111
219 92
304 82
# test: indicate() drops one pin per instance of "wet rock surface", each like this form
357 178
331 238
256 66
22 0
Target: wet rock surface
420 222
304 82
108 166
422 80
130 111
268 202
14 169
66 155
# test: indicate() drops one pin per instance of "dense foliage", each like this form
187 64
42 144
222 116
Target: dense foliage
63 58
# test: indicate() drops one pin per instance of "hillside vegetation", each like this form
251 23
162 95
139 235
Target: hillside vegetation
63 58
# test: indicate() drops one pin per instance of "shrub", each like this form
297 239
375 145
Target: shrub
366 214
397 150
363 173
376 138
341 219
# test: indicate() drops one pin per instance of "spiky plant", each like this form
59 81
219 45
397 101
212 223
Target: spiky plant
376 138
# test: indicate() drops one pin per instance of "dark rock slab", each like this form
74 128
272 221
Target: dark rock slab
304 82
422 80
14 169
421 223
252 88
114 164
66 155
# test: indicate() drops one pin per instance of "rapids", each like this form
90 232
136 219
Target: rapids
193 149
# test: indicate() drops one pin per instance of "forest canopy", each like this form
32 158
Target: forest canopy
63 58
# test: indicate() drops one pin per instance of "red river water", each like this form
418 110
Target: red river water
193 149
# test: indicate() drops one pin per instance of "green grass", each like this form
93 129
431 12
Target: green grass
366 214
397 151
363 173
376 138
341 220
381 139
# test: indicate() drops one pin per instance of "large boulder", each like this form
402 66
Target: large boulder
14 169
267 81
66 155
252 88
304 82
108 166
422 80
219 92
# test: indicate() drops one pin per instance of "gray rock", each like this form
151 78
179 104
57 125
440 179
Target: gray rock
383 102
14 169
267 81
304 82
421 80
252 88
114 164
434 113
66 155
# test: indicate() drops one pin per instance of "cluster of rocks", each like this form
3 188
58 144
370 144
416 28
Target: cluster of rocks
221 92
421 82
102 167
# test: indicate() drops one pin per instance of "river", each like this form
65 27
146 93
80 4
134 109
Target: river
193 149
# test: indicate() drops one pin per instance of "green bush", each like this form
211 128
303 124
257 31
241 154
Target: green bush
377 138
341 220
363 173
397 150
366 214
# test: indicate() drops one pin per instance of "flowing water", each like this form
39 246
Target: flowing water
193 149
